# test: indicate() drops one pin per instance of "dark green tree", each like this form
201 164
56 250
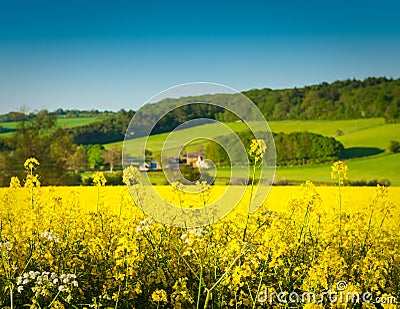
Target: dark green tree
394 146
95 156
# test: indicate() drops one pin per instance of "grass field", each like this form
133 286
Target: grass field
67 122
326 127
379 167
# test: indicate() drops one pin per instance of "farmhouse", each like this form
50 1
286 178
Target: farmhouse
196 159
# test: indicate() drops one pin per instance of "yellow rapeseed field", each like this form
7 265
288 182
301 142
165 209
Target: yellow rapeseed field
77 247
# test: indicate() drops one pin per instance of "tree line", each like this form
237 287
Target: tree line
348 99
292 149
59 112
110 129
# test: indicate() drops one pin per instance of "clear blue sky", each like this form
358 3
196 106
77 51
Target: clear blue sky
118 54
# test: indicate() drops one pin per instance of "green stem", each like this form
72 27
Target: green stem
340 213
183 258
119 291
368 230
73 306
11 296
54 299
251 197
207 299
220 279
259 286
200 285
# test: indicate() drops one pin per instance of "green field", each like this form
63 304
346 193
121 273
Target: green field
326 127
75 122
67 122
376 167
365 140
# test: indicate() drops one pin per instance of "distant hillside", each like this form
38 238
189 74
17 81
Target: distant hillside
349 99
60 113
340 100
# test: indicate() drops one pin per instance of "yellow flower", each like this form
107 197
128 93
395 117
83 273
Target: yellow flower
31 164
138 288
159 296
15 183
57 305
99 180
131 176
339 170
257 149
32 181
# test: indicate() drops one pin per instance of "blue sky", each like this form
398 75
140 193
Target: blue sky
118 54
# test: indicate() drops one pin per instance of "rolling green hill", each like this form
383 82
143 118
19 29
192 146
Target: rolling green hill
356 133
366 142
378 136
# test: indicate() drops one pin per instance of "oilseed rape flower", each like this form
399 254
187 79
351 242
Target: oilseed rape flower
159 296
99 179
257 149
339 170
31 180
131 176
15 183
31 164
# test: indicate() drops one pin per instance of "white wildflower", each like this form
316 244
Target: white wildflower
144 225
61 288
198 232
49 236
185 238
6 245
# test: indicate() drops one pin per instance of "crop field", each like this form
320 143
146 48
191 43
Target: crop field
77 247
